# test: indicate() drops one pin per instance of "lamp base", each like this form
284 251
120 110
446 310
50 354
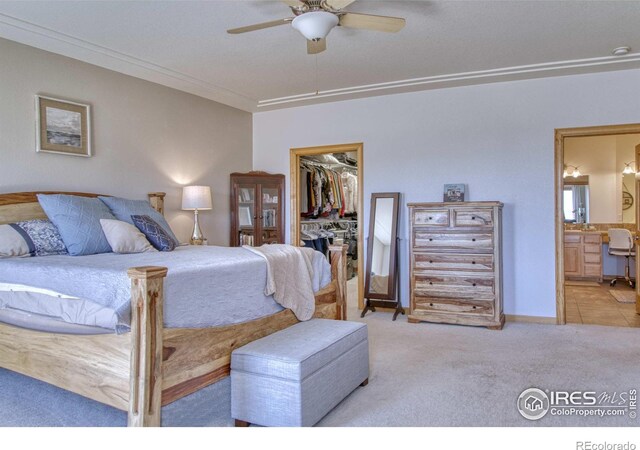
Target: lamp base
196 237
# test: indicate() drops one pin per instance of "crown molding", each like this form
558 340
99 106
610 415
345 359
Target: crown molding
53 41
558 68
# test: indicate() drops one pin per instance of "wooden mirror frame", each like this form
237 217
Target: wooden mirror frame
393 263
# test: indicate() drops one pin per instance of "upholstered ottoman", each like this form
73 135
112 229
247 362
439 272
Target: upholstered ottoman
295 376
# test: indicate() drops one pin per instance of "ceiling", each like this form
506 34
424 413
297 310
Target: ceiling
184 45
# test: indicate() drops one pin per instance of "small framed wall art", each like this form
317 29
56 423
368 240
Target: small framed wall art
63 127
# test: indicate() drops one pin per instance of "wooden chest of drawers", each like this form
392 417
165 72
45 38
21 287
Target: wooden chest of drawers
456 263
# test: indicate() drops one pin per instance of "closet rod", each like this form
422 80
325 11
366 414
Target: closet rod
329 165
329 221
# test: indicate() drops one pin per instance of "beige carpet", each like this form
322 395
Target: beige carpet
447 375
420 375
624 296
581 283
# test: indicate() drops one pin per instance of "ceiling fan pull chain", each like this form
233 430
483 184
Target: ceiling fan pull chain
317 88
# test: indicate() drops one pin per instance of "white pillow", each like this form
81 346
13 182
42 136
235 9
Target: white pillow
124 237
12 243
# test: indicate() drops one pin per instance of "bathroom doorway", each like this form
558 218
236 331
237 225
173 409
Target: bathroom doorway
341 219
596 209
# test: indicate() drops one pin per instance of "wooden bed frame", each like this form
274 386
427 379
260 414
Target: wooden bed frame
150 366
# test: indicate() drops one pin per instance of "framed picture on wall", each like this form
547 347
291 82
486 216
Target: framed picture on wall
63 127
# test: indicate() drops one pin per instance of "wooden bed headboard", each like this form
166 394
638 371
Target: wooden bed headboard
19 206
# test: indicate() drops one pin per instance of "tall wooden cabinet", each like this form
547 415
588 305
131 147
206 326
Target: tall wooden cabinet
456 263
257 209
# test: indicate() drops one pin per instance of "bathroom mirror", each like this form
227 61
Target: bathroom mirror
381 274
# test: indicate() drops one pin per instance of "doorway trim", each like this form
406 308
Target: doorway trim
560 135
294 157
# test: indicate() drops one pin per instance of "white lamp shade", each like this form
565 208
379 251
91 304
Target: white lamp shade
196 197
315 24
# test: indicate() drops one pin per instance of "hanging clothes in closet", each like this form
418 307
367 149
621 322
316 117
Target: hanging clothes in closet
317 238
325 192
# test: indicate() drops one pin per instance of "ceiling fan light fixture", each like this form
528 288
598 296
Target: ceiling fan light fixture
315 25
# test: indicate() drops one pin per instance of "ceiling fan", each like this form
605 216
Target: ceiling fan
314 19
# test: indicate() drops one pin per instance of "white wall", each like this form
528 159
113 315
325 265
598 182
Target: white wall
497 138
146 137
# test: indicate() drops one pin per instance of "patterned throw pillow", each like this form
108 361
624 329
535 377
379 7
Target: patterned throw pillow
154 233
31 238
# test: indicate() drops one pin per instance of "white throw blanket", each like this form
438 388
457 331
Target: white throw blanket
289 277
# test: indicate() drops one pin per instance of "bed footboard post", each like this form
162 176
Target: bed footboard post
339 274
145 393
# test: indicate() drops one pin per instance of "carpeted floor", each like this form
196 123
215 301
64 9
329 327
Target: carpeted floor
421 375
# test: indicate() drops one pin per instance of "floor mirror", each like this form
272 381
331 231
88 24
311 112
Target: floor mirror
381 285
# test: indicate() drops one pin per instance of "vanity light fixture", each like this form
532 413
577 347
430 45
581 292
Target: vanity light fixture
575 172
628 168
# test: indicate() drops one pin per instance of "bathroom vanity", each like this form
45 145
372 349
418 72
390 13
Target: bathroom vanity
583 255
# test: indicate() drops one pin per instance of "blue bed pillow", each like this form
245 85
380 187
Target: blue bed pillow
154 233
78 222
124 208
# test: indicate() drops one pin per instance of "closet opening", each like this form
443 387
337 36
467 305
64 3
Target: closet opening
327 206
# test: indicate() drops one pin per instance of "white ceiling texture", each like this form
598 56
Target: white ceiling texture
184 45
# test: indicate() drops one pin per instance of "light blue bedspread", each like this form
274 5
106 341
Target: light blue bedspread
205 285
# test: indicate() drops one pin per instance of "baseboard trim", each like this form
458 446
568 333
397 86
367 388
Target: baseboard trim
530 319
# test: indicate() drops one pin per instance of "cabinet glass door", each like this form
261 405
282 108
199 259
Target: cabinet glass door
246 214
269 220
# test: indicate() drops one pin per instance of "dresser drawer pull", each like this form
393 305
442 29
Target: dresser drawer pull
473 239
430 239
430 262
431 282
430 218
473 217
473 262
474 307
474 284
430 304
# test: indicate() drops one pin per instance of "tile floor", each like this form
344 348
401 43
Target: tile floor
595 306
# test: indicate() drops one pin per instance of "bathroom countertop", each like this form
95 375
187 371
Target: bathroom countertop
604 233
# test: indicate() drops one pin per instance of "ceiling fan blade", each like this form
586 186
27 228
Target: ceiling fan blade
293 3
314 47
260 26
339 4
370 22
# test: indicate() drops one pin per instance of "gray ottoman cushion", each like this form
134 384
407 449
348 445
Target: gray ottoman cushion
296 376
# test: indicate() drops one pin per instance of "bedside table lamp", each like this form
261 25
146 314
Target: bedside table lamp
196 198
